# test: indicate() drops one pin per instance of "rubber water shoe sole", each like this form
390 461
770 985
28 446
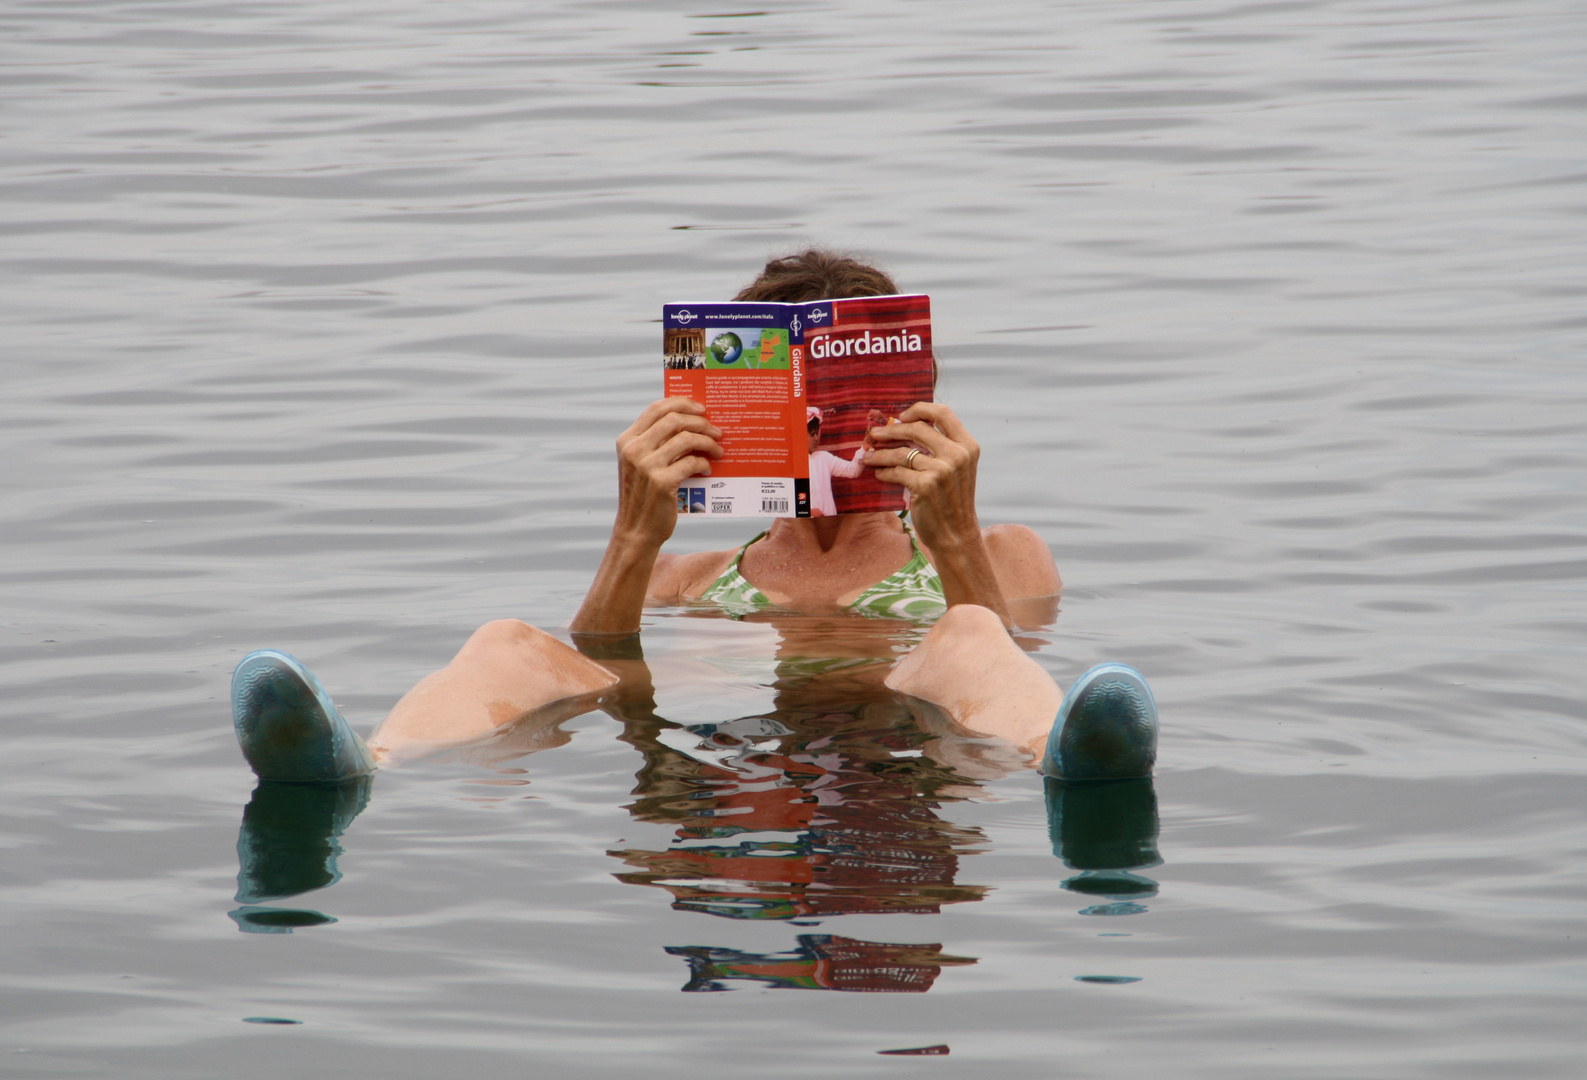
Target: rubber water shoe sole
1106 728
287 725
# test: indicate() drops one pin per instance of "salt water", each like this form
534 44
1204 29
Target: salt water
321 319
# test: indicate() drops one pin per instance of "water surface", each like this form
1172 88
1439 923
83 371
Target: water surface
321 319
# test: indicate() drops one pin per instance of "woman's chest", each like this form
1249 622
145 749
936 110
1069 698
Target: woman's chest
802 578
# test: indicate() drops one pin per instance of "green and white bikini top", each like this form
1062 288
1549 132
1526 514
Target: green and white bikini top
913 591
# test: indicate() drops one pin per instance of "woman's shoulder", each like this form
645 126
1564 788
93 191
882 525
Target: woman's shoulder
1022 561
1020 558
683 577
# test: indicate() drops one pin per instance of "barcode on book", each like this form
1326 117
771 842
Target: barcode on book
721 506
774 506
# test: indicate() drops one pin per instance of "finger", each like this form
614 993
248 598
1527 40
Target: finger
683 469
658 409
896 457
668 426
669 422
661 407
681 445
916 432
913 479
939 416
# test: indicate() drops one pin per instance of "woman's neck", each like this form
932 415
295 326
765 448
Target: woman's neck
825 533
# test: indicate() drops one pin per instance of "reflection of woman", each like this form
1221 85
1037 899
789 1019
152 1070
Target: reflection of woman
823 805
827 782
867 562
824 465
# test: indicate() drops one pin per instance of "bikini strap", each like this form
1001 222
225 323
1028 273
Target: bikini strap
740 556
909 532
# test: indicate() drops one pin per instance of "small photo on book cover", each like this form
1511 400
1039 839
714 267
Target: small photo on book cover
722 348
795 390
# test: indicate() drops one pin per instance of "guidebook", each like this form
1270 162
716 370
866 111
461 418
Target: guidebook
795 389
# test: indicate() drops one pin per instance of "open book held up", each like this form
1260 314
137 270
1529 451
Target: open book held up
795 388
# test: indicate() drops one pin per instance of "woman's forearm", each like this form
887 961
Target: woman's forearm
965 567
617 595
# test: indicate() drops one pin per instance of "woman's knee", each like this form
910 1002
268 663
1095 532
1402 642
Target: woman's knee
514 651
504 635
969 620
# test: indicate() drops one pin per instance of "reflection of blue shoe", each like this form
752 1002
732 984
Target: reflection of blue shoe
288 727
252 919
288 841
1106 728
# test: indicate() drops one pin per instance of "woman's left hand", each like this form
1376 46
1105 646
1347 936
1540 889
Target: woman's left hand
940 475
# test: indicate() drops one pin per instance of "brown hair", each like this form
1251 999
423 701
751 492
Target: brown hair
816 275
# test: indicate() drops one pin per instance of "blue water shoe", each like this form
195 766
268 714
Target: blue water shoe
288 726
1106 728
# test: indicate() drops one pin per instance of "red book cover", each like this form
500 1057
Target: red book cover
867 363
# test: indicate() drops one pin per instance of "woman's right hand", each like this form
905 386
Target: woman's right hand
670 442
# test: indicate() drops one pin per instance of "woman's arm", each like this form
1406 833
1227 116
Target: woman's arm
670 442
977 567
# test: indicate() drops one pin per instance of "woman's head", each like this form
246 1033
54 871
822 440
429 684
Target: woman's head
820 275
816 275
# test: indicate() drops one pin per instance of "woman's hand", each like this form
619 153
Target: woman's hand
940 479
670 442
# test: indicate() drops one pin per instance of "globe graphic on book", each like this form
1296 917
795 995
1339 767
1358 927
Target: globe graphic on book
726 347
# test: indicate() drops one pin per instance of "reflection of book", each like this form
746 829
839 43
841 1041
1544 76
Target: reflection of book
821 962
795 388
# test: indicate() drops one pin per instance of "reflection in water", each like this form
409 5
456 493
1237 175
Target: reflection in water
822 819
825 805
821 807
288 845
1106 831
251 919
821 962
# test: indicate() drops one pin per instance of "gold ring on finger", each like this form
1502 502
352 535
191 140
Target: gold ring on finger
909 460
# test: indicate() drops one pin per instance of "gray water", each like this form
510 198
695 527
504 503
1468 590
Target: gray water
320 321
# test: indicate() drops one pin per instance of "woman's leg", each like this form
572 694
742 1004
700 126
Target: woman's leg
505 671
290 729
971 669
1105 728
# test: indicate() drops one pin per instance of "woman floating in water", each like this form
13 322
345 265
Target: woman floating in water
967 666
